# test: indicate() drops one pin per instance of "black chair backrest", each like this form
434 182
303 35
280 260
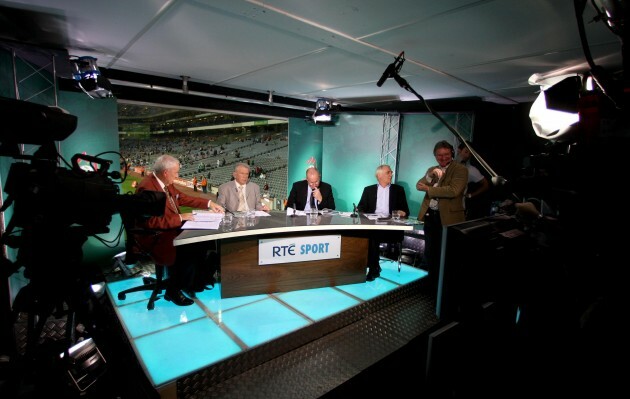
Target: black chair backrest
140 207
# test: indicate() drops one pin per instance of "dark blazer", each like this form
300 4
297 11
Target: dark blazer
397 199
299 191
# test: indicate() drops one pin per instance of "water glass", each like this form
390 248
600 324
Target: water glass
396 215
226 223
250 219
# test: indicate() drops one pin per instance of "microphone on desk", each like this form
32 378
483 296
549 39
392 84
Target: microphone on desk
354 211
294 206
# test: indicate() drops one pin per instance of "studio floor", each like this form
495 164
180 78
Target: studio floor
171 342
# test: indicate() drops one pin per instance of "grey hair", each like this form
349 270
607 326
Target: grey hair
241 165
380 168
165 162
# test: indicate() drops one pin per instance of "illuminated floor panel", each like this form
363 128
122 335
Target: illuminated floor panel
172 341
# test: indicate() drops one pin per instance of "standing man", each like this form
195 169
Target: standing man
204 184
240 195
477 203
311 193
181 261
382 198
443 204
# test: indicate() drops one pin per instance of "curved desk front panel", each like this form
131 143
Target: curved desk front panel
241 273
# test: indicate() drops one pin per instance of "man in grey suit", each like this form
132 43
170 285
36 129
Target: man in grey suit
240 195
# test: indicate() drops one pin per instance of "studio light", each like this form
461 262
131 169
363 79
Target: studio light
88 77
554 113
322 112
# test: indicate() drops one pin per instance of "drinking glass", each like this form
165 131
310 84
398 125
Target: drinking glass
226 223
396 215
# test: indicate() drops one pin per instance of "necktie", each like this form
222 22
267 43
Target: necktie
242 203
312 201
171 200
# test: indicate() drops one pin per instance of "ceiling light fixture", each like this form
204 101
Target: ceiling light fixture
323 108
88 77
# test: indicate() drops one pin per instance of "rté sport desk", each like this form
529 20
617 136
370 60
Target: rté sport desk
242 274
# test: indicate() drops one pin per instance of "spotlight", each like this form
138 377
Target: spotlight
84 364
554 114
88 77
322 110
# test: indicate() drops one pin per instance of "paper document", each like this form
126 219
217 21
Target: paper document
296 213
201 225
205 216
375 216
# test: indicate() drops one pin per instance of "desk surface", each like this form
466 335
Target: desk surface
279 222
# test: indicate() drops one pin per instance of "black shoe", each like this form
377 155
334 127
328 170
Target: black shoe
373 274
201 288
178 298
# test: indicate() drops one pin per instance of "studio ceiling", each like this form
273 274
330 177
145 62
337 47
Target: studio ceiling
334 49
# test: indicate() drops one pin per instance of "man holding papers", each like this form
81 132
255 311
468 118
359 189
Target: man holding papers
183 261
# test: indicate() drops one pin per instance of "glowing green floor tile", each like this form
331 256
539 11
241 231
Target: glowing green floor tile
213 301
407 274
115 287
178 351
140 321
262 321
318 303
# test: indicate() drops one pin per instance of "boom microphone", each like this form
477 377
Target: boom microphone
392 69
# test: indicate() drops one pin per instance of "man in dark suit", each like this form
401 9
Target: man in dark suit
311 192
383 198
181 263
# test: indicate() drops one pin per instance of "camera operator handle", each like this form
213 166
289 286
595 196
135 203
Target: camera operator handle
102 170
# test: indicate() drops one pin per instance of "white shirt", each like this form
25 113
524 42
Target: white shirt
382 200
309 193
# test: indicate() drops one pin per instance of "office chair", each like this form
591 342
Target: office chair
141 250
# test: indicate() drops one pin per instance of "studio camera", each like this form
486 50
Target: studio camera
56 208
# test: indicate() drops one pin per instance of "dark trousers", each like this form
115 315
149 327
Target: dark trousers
432 247
193 268
374 254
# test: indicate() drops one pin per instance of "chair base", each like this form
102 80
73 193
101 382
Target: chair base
156 285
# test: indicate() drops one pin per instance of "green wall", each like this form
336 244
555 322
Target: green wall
351 151
305 149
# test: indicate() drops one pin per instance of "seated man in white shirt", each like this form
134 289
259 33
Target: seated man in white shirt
382 198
